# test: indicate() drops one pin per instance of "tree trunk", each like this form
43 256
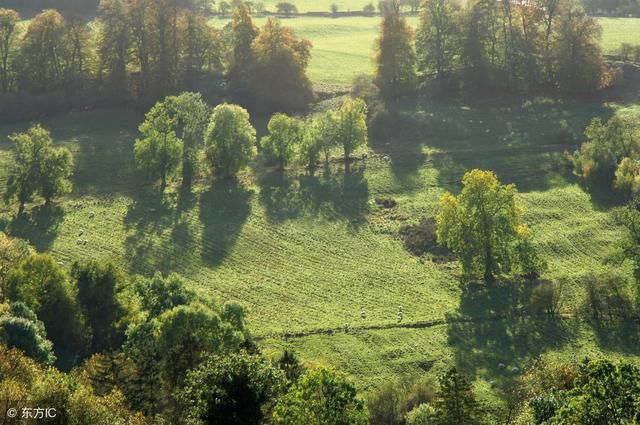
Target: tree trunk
187 176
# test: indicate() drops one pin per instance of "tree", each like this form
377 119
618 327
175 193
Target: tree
114 43
455 402
8 20
438 40
317 137
369 9
606 393
334 9
38 167
286 8
159 294
12 252
279 80
243 33
230 390
20 328
395 55
98 287
483 225
192 113
158 152
285 134
321 397
42 285
578 57
230 140
350 129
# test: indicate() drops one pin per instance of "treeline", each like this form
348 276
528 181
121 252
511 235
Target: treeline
612 7
488 45
78 7
139 51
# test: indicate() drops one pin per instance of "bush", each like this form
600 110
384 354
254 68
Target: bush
607 296
547 297
390 404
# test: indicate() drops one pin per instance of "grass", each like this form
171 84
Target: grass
308 254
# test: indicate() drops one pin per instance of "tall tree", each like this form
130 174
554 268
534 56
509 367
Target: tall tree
439 36
192 113
8 20
230 140
483 225
455 402
114 44
279 81
579 63
243 33
158 151
395 54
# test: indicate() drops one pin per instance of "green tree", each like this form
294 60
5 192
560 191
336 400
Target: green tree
158 151
159 294
98 287
350 127
279 81
192 114
230 140
317 137
439 38
285 134
186 333
230 390
606 393
455 402
41 284
38 167
286 8
483 225
20 328
395 55
8 20
321 397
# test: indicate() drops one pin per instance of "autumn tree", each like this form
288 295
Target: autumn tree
158 151
230 140
285 135
8 20
483 226
395 55
439 38
279 80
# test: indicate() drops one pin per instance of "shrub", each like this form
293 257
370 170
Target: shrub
607 295
547 297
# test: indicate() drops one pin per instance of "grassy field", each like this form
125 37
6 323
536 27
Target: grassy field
343 47
313 255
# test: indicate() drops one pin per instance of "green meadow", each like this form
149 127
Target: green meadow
320 266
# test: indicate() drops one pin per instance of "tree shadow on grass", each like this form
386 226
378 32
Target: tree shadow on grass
343 195
224 209
491 334
161 236
38 226
617 336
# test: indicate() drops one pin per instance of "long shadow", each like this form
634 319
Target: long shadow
38 226
500 340
224 209
523 142
343 195
620 337
161 236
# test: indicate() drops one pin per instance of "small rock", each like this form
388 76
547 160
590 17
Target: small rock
515 369
501 366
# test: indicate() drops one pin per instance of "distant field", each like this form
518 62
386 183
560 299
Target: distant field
343 47
323 5
310 254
